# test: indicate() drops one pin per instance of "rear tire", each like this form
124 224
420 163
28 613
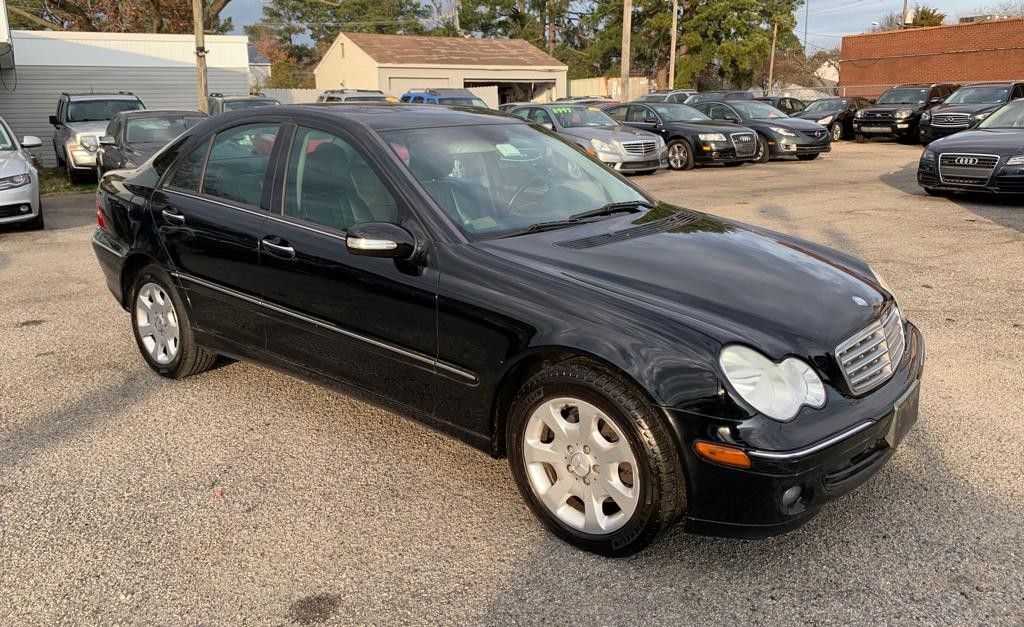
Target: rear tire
593 460
162 327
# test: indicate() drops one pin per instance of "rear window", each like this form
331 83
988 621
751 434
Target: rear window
158 130
235 105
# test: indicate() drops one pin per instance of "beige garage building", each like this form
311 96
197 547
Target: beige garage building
498 70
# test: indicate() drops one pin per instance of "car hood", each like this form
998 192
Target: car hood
725 279
12 163
795 124
609 133
994 141
816 115
99 127
962 108
707 126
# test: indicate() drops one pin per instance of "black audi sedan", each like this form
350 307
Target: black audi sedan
691 137
133 137
835 114
638 363
966 107
778 135
988 158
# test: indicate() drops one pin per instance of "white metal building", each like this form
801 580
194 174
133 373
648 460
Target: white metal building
496 69
160 69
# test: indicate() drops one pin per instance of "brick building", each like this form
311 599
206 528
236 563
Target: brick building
957 53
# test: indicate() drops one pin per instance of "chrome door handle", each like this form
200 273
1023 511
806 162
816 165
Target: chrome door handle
278 250
173 217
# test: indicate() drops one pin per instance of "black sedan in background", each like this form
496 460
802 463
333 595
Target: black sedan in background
691 137
134 136
778 135
989 158
835 114
968 106
637 362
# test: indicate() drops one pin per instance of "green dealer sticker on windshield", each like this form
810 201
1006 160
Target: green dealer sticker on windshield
508 150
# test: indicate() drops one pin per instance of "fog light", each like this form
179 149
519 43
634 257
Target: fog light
24 208
791 495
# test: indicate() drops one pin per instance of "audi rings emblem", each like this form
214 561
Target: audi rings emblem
966 161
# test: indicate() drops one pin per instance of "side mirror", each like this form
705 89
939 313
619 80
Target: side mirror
107 140
935 101
548 125
730 118
31 141
54 121
380 239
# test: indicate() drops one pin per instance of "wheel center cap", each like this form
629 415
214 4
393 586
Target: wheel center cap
580 464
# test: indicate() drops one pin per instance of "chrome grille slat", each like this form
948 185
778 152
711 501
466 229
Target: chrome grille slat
641 147
869 357
951 119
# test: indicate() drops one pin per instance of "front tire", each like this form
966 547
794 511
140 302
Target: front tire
764 153
161 327
592 459
836 131
680 157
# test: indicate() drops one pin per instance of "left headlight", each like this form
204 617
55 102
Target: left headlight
711 137
826 120
89 142
776 390
600 146
1015 160
783 131
978 117
17 180
928 156
904 113
926 116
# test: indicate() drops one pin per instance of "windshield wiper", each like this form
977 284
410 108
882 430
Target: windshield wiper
631 206
542 226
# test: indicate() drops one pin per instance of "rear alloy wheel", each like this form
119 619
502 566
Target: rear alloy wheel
763 152
836 131
680 157
161 327
594 462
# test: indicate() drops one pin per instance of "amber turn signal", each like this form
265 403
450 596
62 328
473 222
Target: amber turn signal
727 455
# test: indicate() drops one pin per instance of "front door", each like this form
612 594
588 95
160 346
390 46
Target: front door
369 322
209 213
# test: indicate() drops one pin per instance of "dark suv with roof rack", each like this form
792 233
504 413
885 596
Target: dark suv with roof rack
966 107
897 112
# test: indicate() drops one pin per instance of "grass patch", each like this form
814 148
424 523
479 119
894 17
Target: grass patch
53 182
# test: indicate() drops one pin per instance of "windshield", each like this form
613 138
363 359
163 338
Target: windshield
236 105
757 110
826 105
159 130
472 102
979 95
99 110
678 113
495 179
1008 116
582 117
903 96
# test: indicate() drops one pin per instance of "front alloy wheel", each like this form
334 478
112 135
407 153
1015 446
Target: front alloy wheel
763 152
679 155
593 460
837 131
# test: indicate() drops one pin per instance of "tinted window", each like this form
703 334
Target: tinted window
617 113
912 96
238 163
540 116
330 184
979 95
189 171
99 110
158 130
642 115
235 105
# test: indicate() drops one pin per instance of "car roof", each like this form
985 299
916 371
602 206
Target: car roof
145 113
392 116
114 96
993 84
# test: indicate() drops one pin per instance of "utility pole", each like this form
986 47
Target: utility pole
672 47
551 27
807 15
627 26
771 64
903 16
197 22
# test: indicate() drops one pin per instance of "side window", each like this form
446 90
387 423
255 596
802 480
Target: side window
642 114
238 162
329 183
418 99
617 113
111 129
714 111
1018 92
540 116
523 113
189 172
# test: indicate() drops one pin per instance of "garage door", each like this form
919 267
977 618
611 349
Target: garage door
398 85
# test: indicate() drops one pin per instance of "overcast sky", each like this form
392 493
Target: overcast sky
828 19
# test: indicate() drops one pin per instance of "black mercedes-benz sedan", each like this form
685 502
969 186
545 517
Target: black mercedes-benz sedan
989 158
778 135
966 107
638 363
691 137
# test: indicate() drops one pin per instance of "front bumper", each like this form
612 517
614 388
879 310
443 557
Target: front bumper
729 501
718 152
884 128
19 204
638 163
1004 180
930 133
789 146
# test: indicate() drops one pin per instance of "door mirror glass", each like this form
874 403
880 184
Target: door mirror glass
31 141
106 140
380 239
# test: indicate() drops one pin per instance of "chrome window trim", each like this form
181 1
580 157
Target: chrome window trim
814 448
415 355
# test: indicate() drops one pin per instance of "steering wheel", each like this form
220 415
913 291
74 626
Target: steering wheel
522 188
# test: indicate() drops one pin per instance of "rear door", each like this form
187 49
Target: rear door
369 322
210 210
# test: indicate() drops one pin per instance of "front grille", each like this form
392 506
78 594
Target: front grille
641 147
869 358
966 168
878 115
959 120
745 144
822 134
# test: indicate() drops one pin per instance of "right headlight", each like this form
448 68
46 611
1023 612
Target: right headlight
1015 160
825 121
783 131
926 116
711 137
601 146
860 113
928 156
776 390
17 180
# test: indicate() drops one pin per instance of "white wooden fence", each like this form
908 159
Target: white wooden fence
292 96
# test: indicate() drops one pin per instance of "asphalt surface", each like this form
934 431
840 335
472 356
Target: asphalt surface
244 496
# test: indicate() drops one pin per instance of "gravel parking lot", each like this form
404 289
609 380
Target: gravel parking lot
244 496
